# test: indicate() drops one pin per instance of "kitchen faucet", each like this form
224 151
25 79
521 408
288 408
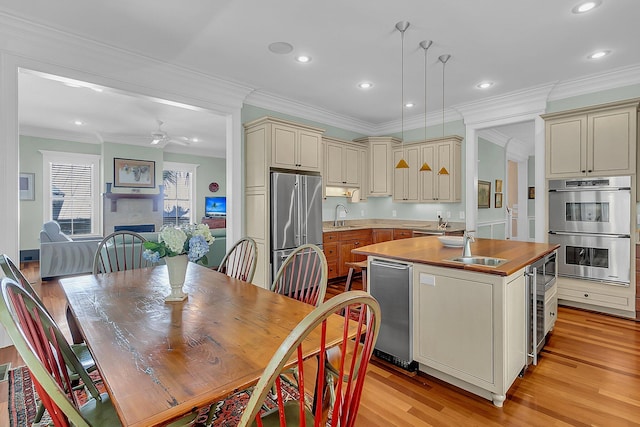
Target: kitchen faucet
336 222
466 243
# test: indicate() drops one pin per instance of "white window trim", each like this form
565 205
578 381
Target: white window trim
49 157
191 168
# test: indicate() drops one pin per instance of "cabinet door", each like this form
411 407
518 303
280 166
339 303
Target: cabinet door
382 235
345 256
363 170
611 143
428 156
283 146
351 166
333 165
402 233
566 147
309 153
444 187
379 178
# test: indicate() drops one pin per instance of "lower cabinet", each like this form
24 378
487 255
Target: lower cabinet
597 296
469 329
350 240
402 233
379 235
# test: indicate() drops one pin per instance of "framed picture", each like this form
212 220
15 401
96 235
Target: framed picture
498 186
532 192
134 173
498 200
484 194
27 192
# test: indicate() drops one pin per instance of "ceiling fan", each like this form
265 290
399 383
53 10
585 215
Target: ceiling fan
160 137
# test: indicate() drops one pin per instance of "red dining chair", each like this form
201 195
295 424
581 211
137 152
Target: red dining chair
10 270
303 275
240 261
308 403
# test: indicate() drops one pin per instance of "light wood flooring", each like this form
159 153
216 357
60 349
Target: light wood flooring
588 375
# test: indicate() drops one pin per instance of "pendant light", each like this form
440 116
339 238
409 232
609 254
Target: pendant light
443 59
425 44
402 27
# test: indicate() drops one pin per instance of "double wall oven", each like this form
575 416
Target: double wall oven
590 218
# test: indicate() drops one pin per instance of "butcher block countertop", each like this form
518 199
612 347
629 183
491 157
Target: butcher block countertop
429 250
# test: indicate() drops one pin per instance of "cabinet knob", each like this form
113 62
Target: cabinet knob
583 171
552 314
586 295
589 171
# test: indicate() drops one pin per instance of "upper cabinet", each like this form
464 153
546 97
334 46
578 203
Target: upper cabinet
594 141
380 164
342 163
443 183
296 147
405 181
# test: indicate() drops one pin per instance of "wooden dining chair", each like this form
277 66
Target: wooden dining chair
303 275
49 357
80 350
119 251
240 261
309 401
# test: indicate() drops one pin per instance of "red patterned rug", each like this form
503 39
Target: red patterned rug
23 402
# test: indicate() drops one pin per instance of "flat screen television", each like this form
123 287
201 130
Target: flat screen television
215 206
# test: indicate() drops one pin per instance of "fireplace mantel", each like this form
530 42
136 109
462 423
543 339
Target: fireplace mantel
157 198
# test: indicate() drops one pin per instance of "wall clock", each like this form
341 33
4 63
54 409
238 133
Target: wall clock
213 187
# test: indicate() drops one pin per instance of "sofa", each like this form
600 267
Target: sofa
61 255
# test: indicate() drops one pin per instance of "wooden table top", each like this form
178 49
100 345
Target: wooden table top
160 360
429 250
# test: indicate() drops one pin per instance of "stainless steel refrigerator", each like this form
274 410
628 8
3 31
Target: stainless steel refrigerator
296 214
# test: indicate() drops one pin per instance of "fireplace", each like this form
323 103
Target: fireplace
131 210
139 228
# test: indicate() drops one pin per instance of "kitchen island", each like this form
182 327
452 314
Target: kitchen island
469 322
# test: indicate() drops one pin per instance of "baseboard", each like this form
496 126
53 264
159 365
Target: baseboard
29 255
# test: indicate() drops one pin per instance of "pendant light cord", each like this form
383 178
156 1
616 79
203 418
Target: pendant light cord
402 93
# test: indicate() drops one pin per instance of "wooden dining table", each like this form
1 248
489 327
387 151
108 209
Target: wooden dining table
160 361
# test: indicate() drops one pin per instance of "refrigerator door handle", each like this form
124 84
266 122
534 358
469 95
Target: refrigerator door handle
303 211
297 211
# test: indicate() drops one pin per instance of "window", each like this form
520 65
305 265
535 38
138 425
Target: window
71 190
179 193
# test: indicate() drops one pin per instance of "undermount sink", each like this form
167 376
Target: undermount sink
480 260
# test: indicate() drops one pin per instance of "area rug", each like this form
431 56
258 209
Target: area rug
23 402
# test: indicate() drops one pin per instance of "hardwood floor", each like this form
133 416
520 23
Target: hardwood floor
588 375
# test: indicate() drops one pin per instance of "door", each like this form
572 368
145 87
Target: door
311 209
285 229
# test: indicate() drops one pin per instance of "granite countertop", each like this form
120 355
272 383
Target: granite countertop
429 250
327 226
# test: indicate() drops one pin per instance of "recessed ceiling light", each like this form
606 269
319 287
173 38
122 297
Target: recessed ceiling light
72 84
599 54
78 122
280 48
365 85
303 58
96 89
409 104
484 85
194 140
586 6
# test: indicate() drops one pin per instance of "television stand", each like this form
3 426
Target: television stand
215 222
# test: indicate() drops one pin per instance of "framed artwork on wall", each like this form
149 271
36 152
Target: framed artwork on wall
484 194
27 191
532 192
498 200
498 186
134 173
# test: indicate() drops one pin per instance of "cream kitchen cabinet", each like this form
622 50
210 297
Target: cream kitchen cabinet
341 163
469 329
296 147
273 143
405 181
594 141
437 184
363 156
380 164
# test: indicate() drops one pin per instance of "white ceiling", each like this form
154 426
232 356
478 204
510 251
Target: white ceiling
516 44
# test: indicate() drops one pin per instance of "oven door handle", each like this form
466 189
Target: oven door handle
564 233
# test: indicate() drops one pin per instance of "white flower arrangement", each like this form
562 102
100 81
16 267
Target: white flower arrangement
192 239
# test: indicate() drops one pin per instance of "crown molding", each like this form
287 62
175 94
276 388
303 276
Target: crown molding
521 103
516 148
51 50
295 108
62 135
625 76
417 122
494 137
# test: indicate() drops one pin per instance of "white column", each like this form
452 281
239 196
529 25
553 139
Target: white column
235 178
541 190
471 178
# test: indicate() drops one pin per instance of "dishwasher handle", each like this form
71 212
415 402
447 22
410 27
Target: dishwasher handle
386 264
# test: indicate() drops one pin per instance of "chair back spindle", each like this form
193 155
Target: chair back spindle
240 261
303 275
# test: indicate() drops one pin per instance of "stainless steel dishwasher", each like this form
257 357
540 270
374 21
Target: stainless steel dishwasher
390 284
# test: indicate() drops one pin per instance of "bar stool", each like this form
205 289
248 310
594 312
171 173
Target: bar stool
358 266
